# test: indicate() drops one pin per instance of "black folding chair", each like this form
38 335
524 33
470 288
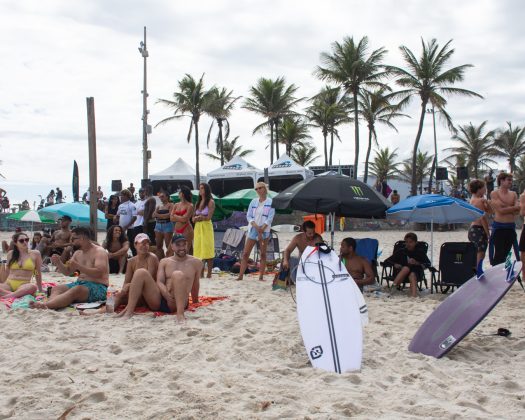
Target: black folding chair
389 272
457 264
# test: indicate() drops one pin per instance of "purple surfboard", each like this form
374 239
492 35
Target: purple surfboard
457 315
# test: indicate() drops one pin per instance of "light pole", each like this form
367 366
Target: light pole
146 129
435 161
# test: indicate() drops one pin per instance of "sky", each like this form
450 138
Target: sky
59 52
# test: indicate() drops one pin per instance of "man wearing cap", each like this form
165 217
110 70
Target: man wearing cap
177 277
143 260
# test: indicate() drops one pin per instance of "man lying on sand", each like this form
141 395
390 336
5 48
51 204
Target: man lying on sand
91 261
144 259
177 276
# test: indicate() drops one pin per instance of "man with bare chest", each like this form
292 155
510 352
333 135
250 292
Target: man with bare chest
177 277
358 267
61 239
308 237
144 260
91 261
506 207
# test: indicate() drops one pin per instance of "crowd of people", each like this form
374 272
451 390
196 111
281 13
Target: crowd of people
172 247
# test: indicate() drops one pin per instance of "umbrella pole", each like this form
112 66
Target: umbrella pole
332 220
432 242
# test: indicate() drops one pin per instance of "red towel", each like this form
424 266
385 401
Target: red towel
39 296
203 301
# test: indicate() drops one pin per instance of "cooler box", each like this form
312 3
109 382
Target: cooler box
318 220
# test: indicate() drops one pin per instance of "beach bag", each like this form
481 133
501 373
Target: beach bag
281 279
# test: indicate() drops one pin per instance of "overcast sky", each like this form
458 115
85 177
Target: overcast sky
55 53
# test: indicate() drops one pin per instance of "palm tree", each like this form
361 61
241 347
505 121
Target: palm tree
428 79
349 66
511 144
384 165
375 108
220 108
273 100
294 131
423 165
304 154
519 174
229 150
329 109
475 146
192 101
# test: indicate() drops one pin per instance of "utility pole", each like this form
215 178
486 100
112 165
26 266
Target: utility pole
146 129
435 161
92 147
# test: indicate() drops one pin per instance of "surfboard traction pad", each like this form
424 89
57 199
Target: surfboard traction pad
495 283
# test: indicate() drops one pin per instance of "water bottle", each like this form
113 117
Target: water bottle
110 300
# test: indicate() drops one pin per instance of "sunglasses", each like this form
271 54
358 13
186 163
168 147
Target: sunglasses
259 188
23 240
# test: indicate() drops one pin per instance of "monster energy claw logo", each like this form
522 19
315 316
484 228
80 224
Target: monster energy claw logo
357 191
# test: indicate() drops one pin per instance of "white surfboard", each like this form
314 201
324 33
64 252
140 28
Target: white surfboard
331 311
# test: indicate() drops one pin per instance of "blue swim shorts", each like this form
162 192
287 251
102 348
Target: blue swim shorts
253 234
165 227
97 291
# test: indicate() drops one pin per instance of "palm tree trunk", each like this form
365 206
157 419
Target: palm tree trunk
365 177
356 131
277 138
197 169
434 163
413 181
325 135
271 142
221 144
331 145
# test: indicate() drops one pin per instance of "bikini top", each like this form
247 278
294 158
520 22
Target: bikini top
163 211
27 265
181 212
203 212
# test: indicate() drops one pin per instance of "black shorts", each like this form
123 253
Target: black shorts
522 239
57 251
477 235
165 308
150 231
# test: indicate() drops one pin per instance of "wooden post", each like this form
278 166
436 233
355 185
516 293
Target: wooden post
92 145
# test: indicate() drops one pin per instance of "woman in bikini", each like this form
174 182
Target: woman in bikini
22 264
117 245
164 226
204 245
181 215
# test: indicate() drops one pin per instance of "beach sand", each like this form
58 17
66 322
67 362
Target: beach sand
244 358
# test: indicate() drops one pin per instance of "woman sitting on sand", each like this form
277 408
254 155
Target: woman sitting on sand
117 245
181 215
22 263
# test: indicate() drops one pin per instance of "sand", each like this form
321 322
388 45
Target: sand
244 358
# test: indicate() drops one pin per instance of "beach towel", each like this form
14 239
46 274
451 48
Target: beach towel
39 296
203 301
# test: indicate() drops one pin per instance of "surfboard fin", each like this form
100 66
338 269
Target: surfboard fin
510 272
479 270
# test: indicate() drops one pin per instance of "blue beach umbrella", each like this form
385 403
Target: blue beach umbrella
433 208
78 212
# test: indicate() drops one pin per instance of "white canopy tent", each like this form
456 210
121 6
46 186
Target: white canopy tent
285 172
235 175
178 174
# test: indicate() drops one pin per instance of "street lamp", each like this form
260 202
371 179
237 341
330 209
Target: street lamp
146 129
435 162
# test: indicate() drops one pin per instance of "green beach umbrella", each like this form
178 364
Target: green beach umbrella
29 216
240 200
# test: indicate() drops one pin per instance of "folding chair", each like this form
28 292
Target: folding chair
273 253
233 242
457 264
388 272
218 236
368 248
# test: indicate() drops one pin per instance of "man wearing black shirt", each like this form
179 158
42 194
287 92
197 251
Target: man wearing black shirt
410 262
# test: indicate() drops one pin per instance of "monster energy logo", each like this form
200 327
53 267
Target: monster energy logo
357 191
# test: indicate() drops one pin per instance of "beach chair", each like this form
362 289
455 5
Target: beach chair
368 248
457 264
273 252
218 236
233 242
388 272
